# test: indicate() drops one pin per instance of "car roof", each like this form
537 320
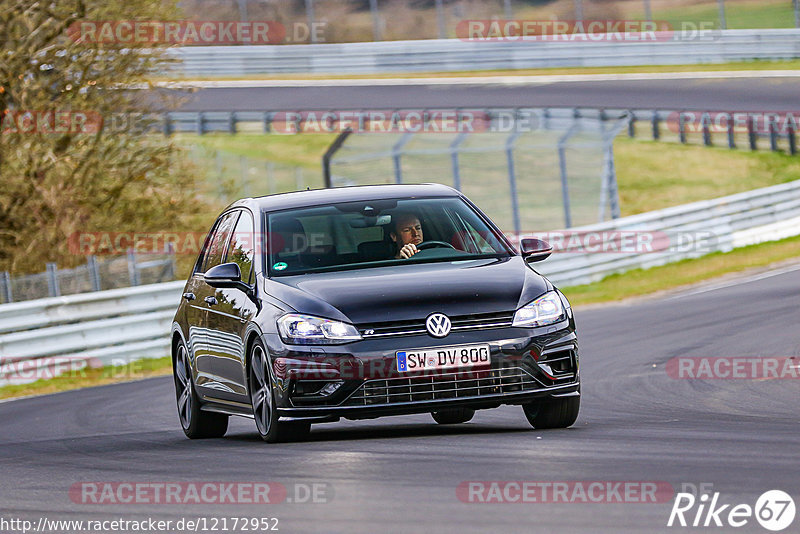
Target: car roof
316 197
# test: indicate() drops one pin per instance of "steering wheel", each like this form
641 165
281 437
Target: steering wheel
434 244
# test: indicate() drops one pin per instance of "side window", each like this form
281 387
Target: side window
242 246
216 247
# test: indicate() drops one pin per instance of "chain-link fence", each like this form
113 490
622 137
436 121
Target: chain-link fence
231 176
96 275
555 172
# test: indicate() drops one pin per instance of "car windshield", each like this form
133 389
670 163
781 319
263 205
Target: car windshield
368 234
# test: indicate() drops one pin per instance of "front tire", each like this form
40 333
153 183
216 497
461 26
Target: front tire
453 416
262 398
553 413
196 424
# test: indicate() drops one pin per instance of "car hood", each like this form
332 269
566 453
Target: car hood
413 291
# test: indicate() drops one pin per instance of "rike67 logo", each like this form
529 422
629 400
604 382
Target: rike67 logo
774 510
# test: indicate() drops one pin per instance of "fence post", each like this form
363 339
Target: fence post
562 166
376 21
167 128
796 13
9 297
299 178
200 125
578 9
773 135
792 137
722 22
631 124
682 127
232 122
512 182
271 176
267 122
648 13
52 280
94 272
397 151
454 159
440 19
310 15
508 11
705 121
132 274
245 190
731 138
656 129
172 267
751 133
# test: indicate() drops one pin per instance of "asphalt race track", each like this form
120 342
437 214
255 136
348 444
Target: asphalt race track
401 474
750 94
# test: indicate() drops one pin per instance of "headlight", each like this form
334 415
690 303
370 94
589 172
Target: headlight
307 329
547 309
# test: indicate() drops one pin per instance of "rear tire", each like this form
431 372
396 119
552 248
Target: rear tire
262 398
196 424
553 413
453 416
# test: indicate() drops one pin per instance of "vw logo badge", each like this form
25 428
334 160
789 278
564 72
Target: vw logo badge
438 325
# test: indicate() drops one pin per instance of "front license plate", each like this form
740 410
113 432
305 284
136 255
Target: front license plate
455 357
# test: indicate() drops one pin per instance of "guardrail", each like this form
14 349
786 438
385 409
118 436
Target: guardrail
127 324
102 328
716 46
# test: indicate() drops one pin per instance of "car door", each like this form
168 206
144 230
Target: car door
228 319
204 301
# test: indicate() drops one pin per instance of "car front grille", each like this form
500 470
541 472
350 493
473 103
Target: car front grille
461 322
443 386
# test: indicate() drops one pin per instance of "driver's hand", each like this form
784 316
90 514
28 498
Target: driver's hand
407 251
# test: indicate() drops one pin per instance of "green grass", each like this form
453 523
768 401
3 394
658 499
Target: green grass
738 15
653 175
647 281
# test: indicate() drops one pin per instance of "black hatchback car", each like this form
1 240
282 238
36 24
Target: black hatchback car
363 302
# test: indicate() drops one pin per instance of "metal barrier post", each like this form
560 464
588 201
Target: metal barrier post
731 138
682 127
396 153
376 21
631 124
562 165
454 159
751 133
648 13
440 19
512 181
266 122
773 135
232 122
792 137
705 121
94 272
167 125
200 123
656 129
508 12
9 297
132 274
310 15
723 24
52 280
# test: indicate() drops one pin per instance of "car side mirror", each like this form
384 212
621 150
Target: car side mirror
226 275
535 250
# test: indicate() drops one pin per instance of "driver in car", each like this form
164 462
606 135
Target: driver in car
407 234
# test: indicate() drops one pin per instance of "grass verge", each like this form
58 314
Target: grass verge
99 376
